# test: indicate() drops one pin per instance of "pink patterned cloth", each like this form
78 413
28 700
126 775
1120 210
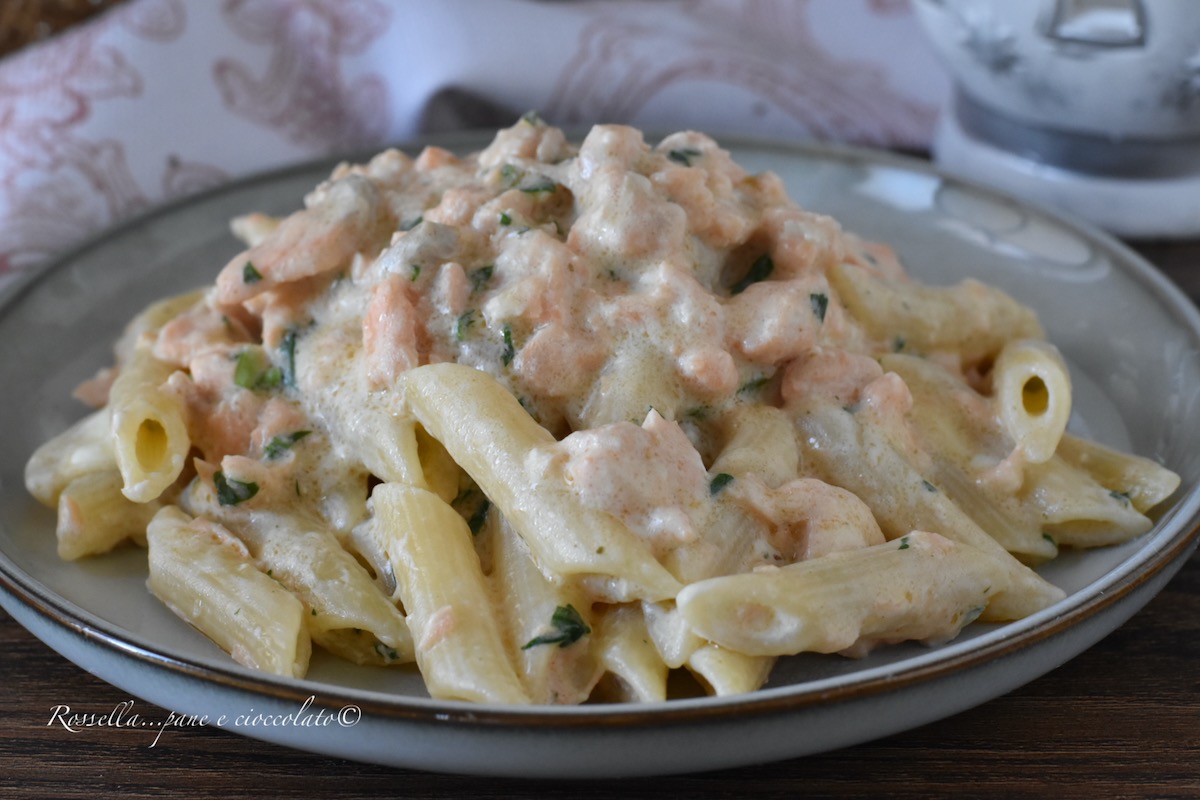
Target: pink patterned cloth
159 98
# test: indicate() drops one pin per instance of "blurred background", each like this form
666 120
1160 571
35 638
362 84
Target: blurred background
111 107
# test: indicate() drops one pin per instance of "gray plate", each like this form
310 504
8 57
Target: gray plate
1132 341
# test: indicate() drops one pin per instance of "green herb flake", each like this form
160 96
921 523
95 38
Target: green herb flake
753 385
416 273
542 185
684 155
510 351
509 175
1121 497
719 482
386 653
903 543
481 277
230 492
898 344
568 626
250 274
760 270
505 218
1049 538
820 304
532 118
288 347
462 326
281 444
254 372
408 225
929 487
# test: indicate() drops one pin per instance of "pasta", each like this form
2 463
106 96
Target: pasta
561 422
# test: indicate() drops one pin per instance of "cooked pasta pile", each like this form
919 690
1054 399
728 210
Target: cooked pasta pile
552 420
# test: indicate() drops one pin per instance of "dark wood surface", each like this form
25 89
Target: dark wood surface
1120 720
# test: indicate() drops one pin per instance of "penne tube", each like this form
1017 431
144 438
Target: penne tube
1078 512
94 516
669 633
498 444
919 587
725 672
1145 482
839 442
1031 389
459 646
969 318
346 612
150 436
968 447
758 440
206 577
634 671
552 663
81 449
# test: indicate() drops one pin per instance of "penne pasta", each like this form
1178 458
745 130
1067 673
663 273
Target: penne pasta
81 449
346 613
461 408
919 587
970 318
459 645
149 432
542 619
1032 391
633 670
204 575
903 500
94 516
582 422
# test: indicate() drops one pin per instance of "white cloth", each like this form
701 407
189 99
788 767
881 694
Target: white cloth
159 98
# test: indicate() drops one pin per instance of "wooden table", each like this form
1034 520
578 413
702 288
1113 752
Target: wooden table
1121 720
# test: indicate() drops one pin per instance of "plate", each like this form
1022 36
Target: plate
1131 339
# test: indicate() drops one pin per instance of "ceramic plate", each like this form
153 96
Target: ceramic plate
1131 339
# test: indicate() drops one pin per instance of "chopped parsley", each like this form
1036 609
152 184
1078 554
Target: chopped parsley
760 270
509 175
1049 538
542 185
281 444
505 218
568 627
929 487
1121 497
898 344
416 272
754 384
288 346
250 274
719 482
510 352
903 543
462 325
386 653
481 277
253 371
408 225
820 304
684 155
230 492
